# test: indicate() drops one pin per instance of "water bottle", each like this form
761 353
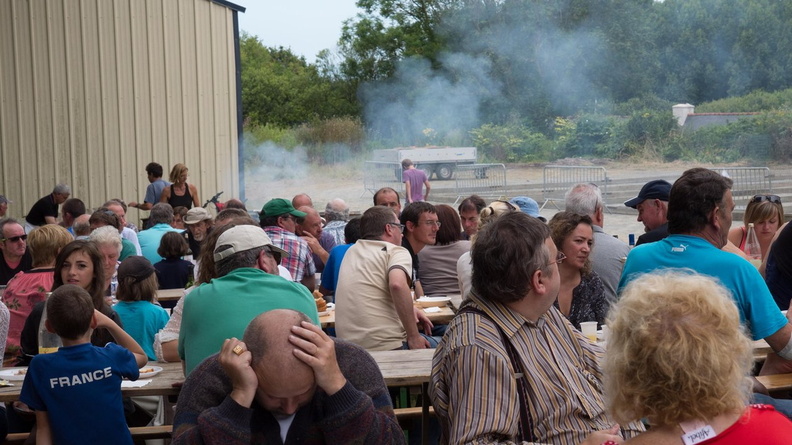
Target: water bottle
752 248
47 341
631 238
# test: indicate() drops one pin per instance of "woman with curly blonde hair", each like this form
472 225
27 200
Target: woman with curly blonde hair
678 356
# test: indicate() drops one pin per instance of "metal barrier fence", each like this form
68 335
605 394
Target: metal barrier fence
748 181
485 180
381 174
558 179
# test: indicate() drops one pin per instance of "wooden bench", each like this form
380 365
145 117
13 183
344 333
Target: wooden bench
139 433
776 382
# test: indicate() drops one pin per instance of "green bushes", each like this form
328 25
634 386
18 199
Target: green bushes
511 143
644 134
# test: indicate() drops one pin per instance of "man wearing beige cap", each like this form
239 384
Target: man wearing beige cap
247 284
199 223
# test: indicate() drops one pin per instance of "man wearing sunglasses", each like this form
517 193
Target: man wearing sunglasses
13 244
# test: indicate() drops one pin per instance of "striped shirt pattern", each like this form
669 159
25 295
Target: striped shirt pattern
299 262
473 386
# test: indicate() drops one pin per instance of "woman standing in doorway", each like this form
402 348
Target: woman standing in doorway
180 193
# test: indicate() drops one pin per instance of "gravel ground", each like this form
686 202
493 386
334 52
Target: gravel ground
346 182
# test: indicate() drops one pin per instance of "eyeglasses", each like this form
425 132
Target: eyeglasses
15 239
400 226
559 258
432 223
775 199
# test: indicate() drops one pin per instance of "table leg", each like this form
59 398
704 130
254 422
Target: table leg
425 413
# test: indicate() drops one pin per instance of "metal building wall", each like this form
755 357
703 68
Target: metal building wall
93 90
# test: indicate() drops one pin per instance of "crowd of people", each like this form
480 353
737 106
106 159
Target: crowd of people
512 365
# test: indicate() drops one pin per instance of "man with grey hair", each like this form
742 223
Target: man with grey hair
336 214
128 233
286 382
82 227
247 284
160 220
608 254
45 210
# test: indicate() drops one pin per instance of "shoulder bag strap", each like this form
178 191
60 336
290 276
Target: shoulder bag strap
526 424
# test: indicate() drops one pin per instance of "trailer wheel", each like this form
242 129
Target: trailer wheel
427 168
445 171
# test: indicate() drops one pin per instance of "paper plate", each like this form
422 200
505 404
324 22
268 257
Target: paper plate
152 371
13 374
433 301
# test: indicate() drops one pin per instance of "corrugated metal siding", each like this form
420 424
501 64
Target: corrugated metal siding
93 90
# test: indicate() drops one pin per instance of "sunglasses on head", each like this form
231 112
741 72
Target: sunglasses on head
14 239
775 199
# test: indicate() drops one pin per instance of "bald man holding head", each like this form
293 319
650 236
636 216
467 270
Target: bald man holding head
286 382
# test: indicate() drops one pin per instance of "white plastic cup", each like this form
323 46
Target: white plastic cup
589 329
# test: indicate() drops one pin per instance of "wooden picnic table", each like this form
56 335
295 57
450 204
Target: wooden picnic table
443 316
169 294
159 385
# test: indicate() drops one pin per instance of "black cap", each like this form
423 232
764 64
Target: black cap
137 267
657 189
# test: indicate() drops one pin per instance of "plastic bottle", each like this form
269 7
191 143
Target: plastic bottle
752 249
631 240
47 341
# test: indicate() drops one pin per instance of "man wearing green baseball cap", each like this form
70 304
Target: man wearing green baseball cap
278 221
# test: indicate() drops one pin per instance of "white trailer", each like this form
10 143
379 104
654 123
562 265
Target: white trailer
441 161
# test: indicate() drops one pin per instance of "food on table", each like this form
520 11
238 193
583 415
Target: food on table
321 304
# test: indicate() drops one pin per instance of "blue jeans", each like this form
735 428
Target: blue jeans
433 341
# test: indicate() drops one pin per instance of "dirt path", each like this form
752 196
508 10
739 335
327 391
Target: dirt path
346 181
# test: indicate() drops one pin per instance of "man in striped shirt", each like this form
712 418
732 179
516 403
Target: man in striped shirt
510 367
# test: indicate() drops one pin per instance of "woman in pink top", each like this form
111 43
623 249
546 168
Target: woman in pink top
28 288
678 356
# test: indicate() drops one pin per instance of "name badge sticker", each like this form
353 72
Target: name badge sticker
698 435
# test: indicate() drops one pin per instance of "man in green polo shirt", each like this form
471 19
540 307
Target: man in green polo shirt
247 285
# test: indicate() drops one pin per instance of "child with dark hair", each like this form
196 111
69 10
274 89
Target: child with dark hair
76 392
173 272
137 287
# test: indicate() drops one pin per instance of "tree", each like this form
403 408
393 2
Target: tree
282 89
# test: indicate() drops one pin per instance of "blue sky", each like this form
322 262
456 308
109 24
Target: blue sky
305 26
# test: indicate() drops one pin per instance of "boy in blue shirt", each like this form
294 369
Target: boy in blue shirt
76 392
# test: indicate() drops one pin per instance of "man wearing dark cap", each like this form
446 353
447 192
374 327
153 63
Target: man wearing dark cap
652 206
278 219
